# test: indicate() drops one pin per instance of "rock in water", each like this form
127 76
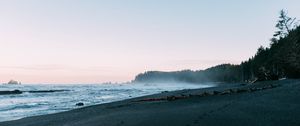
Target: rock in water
13 82
10 92
79 104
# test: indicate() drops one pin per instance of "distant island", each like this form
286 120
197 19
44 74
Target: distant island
13 82
280 60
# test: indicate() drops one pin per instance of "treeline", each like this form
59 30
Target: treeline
280 60
220 73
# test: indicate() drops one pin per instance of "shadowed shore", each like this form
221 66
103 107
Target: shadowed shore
273 103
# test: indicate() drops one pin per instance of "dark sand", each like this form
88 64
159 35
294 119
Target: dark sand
273 103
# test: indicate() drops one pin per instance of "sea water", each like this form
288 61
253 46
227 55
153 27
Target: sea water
16 106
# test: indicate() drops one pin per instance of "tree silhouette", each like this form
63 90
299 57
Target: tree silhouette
285 24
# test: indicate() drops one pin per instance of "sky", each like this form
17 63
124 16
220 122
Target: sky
94 41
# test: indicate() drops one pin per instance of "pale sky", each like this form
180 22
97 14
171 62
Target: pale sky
94 41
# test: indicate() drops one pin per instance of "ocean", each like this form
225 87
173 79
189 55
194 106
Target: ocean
16 106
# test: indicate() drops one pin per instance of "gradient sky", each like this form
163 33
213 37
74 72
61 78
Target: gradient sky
93 41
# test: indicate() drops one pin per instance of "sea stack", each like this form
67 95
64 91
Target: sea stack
13 82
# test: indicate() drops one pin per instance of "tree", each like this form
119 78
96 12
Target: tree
280 60
285 24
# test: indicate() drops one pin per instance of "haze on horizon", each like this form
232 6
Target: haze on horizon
90 41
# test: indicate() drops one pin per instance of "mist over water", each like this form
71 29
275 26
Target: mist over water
27 104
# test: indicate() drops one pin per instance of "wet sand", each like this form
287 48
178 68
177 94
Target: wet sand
272 103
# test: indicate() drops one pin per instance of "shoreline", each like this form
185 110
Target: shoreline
234 104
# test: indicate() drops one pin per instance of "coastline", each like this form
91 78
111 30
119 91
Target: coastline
263 103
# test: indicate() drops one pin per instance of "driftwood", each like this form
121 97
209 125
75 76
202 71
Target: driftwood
211 93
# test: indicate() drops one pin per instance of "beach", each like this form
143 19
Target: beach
261 104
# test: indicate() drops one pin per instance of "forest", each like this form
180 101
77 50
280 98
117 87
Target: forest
280 60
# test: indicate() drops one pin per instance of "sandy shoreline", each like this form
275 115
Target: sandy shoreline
265 103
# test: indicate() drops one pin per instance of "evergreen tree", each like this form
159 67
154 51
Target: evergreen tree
285 24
